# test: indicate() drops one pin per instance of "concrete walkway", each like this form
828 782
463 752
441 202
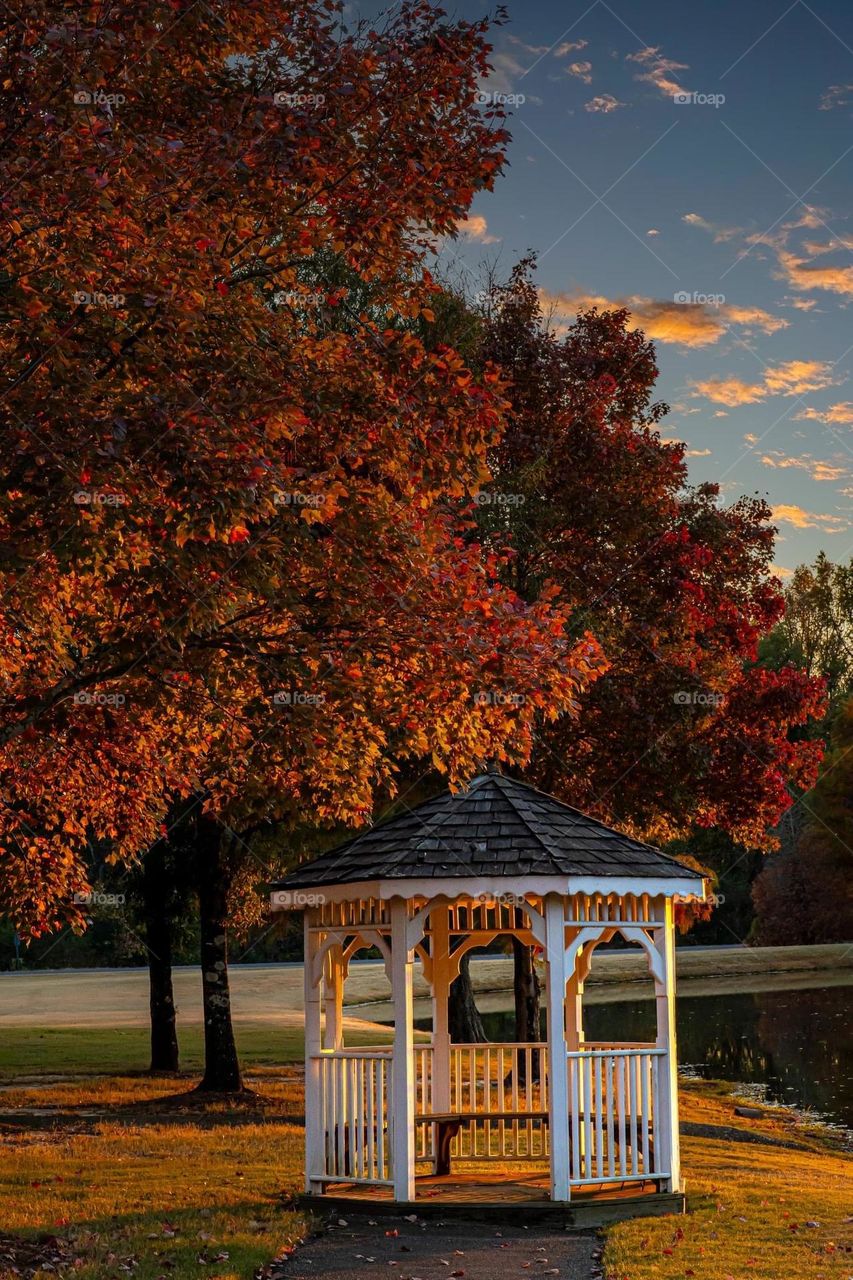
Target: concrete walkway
401 1249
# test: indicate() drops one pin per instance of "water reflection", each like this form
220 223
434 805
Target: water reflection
797 1043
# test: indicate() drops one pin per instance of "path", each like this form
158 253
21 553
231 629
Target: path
379 1248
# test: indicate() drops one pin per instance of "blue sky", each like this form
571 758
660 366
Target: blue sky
723 222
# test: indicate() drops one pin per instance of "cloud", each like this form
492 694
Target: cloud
801 304
474 227
780 571
697 453
529 48
801 275
581 70
658 70
719 233
569 46
504 71
652 231
729 391
790 513
685 324
794 378
837 95
605 102
841 413
817 468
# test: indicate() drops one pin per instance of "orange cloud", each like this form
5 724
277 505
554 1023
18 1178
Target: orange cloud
801 275
730 391
800 519
794 378
841 412
604 103
474 227
582 70
658 70
817 468
687 324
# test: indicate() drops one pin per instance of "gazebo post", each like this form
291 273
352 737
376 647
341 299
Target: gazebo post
313 1119
558 1074
403 1060
440 927
667 1100
334 1002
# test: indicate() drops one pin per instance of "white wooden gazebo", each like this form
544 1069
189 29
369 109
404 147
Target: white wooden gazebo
497 859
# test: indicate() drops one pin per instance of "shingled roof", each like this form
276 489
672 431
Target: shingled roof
497 826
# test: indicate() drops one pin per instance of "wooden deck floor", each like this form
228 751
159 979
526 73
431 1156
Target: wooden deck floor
503 1196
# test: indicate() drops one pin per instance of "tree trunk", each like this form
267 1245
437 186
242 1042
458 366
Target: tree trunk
465 1023
527 1005
221 1064
157 895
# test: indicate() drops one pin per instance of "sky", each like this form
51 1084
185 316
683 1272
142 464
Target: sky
694 161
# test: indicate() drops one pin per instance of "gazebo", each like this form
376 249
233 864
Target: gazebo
498 858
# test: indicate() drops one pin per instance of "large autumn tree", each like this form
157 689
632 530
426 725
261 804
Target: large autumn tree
232 566
685 730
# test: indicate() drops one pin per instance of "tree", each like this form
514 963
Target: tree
803 894
815 632
234 569
684 730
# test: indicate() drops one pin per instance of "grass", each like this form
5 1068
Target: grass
33 1051
133 1181
148 1189
766 1212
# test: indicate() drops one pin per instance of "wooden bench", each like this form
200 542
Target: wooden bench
448 1124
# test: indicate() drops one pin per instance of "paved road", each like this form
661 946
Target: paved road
427 1250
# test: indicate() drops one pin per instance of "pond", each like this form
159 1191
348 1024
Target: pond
796 1043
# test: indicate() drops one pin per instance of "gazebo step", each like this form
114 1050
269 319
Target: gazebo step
582 1214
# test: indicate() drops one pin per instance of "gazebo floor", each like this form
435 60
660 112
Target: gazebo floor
481 1194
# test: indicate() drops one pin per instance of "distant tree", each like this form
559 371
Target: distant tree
804 894
816 629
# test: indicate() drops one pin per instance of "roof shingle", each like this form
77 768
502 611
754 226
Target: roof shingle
497 826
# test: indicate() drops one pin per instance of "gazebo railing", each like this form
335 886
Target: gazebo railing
501 1090
614 1110
487 1079
354 1100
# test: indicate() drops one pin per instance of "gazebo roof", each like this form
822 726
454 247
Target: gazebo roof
496 827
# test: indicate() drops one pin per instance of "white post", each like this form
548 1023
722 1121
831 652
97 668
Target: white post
403 1062
574 1012
314 1136
334 991
667 1100
558 1075
440 925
